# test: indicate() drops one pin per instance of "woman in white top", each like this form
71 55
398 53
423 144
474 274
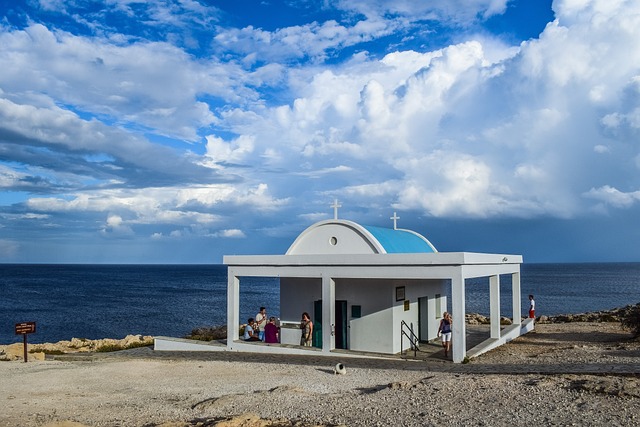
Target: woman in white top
444 332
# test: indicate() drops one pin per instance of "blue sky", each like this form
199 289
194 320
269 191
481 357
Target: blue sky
180 131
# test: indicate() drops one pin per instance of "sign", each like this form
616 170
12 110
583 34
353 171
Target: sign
25 328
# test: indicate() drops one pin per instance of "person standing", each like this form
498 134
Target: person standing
532 307
444 332
306 325
261 322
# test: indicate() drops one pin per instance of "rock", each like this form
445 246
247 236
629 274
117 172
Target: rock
505 321
16 352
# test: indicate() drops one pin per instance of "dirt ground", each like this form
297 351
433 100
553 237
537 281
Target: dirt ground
561 374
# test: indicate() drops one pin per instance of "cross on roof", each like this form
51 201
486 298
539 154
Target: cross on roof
395 219
335 207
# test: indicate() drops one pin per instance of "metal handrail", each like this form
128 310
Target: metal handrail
413 339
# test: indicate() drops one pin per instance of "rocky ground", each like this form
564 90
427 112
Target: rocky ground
583 373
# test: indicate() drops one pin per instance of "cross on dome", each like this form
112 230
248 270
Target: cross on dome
395 219
335 207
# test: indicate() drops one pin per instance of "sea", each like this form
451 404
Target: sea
112 301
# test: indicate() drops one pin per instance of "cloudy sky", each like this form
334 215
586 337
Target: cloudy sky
177 131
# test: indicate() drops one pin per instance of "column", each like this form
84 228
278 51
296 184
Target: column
233 308
494 305
459 335
328 313
517 299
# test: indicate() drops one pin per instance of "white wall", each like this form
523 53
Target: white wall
332 238
372 331
297 296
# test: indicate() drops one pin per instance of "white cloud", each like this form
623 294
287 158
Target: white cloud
233 233
613 197
161 141
150 84
312 40
457 133
235 151
459 11
115 226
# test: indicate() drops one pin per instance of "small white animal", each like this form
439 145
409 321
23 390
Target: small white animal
339 369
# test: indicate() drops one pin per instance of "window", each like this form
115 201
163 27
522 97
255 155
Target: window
356 311
438 306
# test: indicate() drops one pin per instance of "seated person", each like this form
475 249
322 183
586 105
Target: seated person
249 333
271 332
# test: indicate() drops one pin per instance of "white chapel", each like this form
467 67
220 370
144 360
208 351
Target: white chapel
371 289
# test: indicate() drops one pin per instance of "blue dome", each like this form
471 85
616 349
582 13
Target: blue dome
400 241
343 237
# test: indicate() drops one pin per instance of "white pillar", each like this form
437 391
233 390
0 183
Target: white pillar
233 308
459 335
494 305
328 314
517 301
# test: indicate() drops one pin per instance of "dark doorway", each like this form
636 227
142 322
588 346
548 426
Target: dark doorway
340 327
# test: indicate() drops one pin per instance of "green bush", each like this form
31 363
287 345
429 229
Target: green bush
630 319
116 347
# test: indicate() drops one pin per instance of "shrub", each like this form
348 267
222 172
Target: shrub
117 347
208 334
108 348
630 319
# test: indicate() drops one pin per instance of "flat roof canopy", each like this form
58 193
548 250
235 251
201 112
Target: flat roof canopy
416 259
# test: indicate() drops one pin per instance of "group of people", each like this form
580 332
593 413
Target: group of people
266 330
262 328
269 332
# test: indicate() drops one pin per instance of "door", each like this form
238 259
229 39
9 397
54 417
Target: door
340 326
423 319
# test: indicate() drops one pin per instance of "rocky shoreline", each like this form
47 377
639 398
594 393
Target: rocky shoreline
75 345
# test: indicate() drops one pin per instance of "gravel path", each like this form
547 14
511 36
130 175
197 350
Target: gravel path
562 374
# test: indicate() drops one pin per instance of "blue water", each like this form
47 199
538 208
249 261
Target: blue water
99 301
563 288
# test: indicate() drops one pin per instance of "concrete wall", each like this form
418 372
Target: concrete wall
297 296
373 330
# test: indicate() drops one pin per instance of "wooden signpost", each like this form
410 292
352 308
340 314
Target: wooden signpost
23 329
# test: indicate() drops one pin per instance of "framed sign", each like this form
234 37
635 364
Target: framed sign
399 293
25 328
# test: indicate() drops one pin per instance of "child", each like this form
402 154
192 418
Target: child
532 307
